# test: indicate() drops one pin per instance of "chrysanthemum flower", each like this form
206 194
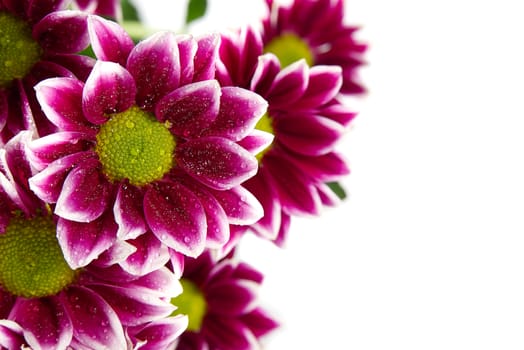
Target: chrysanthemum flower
38 39
220 299
314 30
150 139
307 121
46 304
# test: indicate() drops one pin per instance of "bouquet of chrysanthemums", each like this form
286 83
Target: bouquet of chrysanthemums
131 166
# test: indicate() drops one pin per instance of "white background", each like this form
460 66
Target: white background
428 251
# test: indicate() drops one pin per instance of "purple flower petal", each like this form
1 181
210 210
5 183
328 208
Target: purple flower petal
35 10
81 242
241 207
229 333
190 108
79 65
110 42
45 150
176 217
216 162
85 193
109 89
231 298
324 168
289 84
45 323
4 109
205 57
160 281
266 70
308 134
116 254
256 141
327 196
133 305
150 254
297 194
187 48
11 335
155 66
47 184
160 334
128 212
61 101
259 322
62 32
324 85
95 324
239 112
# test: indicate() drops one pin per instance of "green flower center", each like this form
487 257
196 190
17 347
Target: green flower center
191 303
31 262
18 50
289 48
133 145
264 124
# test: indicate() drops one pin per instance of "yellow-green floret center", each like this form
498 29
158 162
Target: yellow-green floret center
191 303
31 262
18 50
264 124
289 48
134 145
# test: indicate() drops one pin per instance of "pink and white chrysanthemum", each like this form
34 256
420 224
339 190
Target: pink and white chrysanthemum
46 304
314 30
307 121
150 142
47 36
221 300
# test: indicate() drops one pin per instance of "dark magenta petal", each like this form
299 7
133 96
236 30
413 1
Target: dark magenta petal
246 272
263 188
79 65
155 66
324 168
187 48
260 322
266 70
190 108
216 162
45 323
4 109
176 217
110 42
45 150
11 335
229 333
327 196
204 61
231 298
308 134
240 110
35 10
281 239
62 32
82 242
61 101
95 323
106 8
289 84
134 306
116 254
47 184
160 334
241 207
297 194
109 89
128 212
161 281
256 141
324 85
85 193
150 255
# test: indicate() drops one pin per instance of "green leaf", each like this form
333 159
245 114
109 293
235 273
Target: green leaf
195 10
129 11
337 189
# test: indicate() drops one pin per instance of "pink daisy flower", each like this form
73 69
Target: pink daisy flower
297 31
38 40
148 143
46 304
220 299
307 121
